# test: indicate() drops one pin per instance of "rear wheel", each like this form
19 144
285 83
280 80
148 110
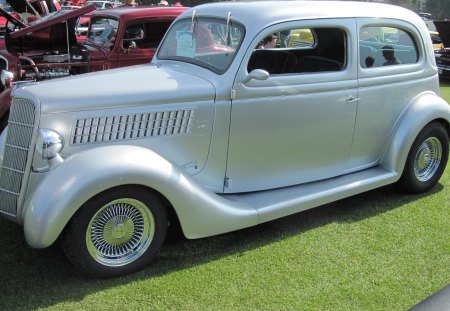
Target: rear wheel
116 232
426 160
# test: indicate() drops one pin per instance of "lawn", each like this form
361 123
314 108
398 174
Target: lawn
381 250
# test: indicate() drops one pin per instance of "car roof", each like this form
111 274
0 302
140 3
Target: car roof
270 12
286 9
129 13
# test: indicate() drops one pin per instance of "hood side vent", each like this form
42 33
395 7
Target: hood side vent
134 126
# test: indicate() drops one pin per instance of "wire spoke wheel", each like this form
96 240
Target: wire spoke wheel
120 232
428 159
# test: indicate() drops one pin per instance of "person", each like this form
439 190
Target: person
370 60
204 38
268 42
388 54
131 3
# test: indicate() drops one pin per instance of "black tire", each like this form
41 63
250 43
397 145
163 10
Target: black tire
117 232
426 160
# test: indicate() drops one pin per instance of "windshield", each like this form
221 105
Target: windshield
5 6
207 42
103 31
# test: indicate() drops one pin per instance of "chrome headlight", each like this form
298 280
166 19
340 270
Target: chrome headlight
7 78
49 143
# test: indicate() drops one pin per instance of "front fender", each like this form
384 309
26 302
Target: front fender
424 109
73 182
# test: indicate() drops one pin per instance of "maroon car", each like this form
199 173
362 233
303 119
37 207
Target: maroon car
48 48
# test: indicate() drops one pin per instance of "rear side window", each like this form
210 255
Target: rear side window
386 46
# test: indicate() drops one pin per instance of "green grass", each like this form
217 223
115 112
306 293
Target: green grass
380 250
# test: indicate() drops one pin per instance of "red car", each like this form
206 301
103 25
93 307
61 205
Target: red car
49 49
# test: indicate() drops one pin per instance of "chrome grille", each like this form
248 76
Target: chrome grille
124 127
18 143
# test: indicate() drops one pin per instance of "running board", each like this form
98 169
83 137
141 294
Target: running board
273 204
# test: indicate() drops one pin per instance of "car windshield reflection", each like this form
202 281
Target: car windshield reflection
209 43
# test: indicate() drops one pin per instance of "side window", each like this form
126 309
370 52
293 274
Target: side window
303 50
103 31
145 35
386 46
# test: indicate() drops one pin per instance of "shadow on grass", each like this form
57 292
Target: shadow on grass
32 279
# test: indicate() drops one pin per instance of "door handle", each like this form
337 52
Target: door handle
353 99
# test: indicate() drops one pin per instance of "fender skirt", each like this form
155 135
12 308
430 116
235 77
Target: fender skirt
73 182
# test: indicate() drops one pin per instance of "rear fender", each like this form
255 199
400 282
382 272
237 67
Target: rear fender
426 108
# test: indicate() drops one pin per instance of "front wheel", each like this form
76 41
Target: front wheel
426 160
117 232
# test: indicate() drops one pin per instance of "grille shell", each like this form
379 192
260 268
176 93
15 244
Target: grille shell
18 148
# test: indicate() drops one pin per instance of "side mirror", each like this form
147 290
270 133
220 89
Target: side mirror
257 74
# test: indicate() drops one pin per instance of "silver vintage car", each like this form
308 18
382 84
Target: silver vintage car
249 111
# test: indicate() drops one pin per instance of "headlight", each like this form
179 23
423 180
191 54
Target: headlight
49 143
7 78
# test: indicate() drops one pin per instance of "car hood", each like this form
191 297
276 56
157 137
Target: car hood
47 34
139 85
443 28
54 18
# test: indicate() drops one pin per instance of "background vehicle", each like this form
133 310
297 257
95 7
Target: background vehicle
437 42
443 54
102 5
217 135
117 38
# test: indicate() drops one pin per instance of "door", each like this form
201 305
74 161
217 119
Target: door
296 124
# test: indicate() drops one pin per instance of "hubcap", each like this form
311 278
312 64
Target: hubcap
427 159
120 232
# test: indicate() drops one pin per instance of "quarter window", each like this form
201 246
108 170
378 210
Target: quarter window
386 46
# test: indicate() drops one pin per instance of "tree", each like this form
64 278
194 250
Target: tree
439 8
